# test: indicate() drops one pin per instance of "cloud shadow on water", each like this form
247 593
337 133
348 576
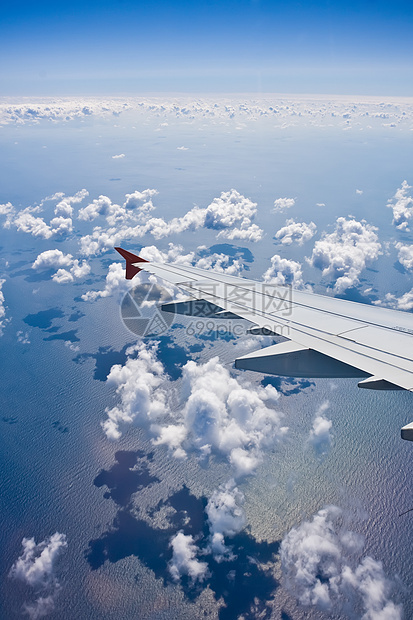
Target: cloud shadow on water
122 480
287 385
245 583
172 356
44 318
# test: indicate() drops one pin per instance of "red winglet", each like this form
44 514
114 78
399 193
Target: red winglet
131 270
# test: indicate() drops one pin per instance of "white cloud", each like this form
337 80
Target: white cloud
9 211
35 567
405 255
307 111
320 569
3 319
60 225
221 263
320 434
402 205
76 272
23 337
182 148
52 259
226 517
284 272
43 606
344 253
359 192
230 215
138 384
115 284
281 204
298 232
405 302
217 415
121 156
184 560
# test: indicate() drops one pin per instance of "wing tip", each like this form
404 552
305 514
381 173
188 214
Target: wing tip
131 259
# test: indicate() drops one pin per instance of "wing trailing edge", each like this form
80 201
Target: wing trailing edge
290 359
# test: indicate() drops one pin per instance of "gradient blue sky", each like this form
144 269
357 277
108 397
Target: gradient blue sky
108 47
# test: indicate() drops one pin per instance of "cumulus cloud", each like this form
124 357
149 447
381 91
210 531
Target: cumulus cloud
320 569
220 263
226 517
284 272
359 192
320 434
3 319
121 156
298 232
405 302
230 215
35 567
56 259
115 284
405 255
61 225
9 211
184 560
216 414
344 253
138 384
402 206
281 204
52 259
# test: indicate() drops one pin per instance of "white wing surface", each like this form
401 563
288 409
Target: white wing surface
326 337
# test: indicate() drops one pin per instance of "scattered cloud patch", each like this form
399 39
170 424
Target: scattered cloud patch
138 384
405 255
344 253
184 560
121 156
182 148
215 415
115 284
3 319
320 434
405 302
402 206
35 567
320 569
281 204
226 517
230 216
297 232
60 225
359 192
56 259
22 337
284 272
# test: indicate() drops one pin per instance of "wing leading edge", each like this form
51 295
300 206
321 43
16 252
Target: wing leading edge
325 336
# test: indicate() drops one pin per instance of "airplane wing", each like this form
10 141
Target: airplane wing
325 336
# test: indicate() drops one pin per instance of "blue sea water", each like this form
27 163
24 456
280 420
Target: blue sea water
60 472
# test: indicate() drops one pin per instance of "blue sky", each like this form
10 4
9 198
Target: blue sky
109 47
